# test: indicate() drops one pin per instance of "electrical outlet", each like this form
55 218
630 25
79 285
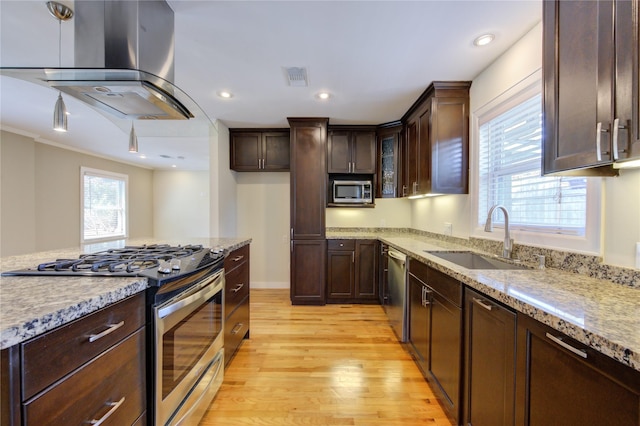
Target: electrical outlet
638 255
383 223
448 228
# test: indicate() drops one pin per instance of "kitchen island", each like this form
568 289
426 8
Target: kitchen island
32 305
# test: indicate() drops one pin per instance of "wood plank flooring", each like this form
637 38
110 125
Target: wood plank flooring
321 365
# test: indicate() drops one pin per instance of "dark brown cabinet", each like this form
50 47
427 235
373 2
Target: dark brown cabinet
63 377
590 106
351 150
419 319
389 168
490 361
259 151
352 267
627 106
435 332
308 200
383 270
236 301
341 262
563 382
437 141
366 271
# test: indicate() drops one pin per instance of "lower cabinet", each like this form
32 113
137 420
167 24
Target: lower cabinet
308 272
383 271
515 370
435 332
352 269
563 382
490 348
419 320
236 301
80 372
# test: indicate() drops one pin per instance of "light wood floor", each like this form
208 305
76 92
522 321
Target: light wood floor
321 365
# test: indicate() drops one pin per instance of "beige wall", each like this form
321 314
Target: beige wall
41 195
226 182
388 213
622 218
181 204
263 214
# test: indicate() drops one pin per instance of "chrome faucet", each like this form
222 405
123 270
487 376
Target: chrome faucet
488 227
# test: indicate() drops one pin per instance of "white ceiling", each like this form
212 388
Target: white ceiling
374 57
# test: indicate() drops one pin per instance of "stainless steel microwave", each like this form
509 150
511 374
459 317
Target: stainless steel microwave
352 192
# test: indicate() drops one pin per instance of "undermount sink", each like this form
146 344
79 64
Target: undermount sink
470 260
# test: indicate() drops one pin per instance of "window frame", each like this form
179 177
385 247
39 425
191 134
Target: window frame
590 242
84 171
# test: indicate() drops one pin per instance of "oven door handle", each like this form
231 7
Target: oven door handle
199 297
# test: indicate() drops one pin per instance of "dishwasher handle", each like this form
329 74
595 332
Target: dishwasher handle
397 255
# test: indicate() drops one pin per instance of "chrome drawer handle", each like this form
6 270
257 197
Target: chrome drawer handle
114 406
238 287
567 346
237 328
237 259
483 304
111 329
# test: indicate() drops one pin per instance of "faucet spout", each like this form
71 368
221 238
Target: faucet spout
488 227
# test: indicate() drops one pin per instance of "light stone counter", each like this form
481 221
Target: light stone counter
31 305
599 313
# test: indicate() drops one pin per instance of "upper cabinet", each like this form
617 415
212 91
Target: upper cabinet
259 150
351 150
437 140
389 167
591 93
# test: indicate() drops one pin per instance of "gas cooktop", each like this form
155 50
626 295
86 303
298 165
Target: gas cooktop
154 261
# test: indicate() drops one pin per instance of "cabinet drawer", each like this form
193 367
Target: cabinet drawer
236 258
236 288
236 327
111 387
50 356
447 286
442 283
341 244
418 269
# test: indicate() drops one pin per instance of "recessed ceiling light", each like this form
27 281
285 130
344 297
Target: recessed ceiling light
173 165
323 95
225 94
484 39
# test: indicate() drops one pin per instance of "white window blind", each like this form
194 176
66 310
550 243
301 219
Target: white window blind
103 205
510 138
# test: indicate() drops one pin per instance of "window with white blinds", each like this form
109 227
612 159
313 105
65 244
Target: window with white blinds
104 205
510 149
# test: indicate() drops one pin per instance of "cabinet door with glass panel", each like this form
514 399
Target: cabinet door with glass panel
389 179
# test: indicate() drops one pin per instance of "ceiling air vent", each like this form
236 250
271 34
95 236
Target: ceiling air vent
297 76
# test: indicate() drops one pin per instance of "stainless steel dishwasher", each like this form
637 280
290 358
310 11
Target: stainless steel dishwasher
396 306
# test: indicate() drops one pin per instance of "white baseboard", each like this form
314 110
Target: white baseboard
270 284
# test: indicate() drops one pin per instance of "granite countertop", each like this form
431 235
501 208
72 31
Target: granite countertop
599 313
31 305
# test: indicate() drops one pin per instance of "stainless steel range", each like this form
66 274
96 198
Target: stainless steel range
186 313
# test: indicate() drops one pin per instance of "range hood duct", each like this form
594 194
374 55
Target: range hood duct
124 60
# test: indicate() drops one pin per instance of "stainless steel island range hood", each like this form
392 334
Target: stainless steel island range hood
123 61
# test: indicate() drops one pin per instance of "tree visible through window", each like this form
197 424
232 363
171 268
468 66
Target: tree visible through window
104 213
510 139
